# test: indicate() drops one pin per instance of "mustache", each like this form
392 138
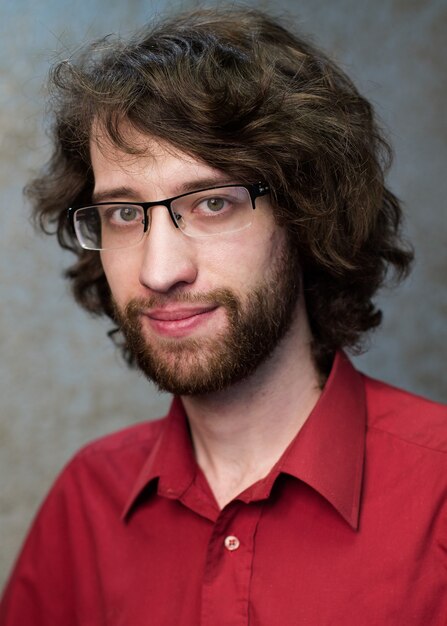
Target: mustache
216 297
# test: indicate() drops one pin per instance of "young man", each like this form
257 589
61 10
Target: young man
228 212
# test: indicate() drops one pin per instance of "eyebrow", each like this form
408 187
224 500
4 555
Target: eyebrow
116 193
121 193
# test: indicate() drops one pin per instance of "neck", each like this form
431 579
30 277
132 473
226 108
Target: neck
240 433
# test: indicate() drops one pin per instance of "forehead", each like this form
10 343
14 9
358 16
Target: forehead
156 164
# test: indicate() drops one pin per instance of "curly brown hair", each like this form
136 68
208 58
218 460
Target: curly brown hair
234 88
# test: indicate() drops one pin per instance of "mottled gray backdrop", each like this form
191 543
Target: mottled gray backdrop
61 382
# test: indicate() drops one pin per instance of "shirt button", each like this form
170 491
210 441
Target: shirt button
232 543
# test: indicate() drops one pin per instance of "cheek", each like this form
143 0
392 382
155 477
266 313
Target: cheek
122 272
243 260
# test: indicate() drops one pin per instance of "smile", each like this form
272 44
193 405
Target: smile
180 321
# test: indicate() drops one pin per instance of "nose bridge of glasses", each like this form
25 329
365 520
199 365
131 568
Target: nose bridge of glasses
163 205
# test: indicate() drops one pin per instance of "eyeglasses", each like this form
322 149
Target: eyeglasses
203 213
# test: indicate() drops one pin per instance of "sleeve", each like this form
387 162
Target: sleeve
51 583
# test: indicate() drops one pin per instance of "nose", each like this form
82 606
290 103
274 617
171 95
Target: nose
168 257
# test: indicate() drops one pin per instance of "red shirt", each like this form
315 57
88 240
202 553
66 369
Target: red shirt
349 527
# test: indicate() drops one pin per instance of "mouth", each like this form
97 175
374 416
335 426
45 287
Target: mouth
180 321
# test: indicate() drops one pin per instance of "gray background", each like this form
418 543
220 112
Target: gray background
61 383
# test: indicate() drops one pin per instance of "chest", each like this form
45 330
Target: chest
283 561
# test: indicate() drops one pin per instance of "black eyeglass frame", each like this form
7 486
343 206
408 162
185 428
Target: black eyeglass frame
255 190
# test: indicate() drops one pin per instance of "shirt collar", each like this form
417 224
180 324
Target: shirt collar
327 453
171 459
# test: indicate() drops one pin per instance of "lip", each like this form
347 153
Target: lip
178 322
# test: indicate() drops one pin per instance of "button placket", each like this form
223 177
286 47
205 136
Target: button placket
229 565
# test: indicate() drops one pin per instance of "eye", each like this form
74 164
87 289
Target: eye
124 214
212 205
127 213
215 204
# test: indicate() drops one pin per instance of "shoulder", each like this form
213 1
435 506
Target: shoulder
139 436
109 465
406 416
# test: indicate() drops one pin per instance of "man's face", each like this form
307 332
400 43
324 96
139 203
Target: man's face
199 314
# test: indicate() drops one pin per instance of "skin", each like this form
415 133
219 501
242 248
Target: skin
235 439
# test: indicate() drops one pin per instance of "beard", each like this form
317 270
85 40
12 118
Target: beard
255 326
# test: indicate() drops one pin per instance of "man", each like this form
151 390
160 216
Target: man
229 213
